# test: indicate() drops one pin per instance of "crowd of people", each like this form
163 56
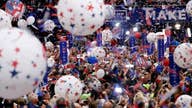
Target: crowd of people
131 80
127 83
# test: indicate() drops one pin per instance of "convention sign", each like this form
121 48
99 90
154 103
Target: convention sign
63 52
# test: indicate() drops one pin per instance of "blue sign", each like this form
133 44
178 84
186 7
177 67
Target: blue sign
160 47
151 15
120 15
70 40
99 39
63 52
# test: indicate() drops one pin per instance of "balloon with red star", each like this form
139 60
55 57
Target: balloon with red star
81 17
5 19
22 63
183 55
69 87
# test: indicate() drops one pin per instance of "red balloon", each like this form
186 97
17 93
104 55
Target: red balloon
113 42
137 35
166 62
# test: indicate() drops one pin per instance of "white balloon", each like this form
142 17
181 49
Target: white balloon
81 17
183 55
22 63
189 8
100 73
159 34
97 52
109 11
22 24
30 20
151 37
107 35
49 45
94 83
49 25
50 62
184 101
69 87
5 19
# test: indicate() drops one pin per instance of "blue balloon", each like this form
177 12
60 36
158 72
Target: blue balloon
159 68
92 60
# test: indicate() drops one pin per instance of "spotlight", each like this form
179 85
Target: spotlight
117 24
118 90
177 26
188 32
127 32
135 29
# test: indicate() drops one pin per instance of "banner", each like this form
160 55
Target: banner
99 39
160 47
132 42
120 15
151 49
63 52
173 72
70 40
151 15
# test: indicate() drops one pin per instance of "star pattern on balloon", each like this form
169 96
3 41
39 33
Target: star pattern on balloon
72 25
28 76
93 15
1 19
17 50
1 52
70 10
90 7
61 14
14 73
92 27
0 68
101 14
14 63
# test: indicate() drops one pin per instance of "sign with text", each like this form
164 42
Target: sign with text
151 15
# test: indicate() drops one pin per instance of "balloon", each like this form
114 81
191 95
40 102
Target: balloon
158 34
81 17
109 11
22 23
183 55
100 73
137 35
151 37
50 62
49 25
98 52
30 20
5 19
22 62
166 62
15 8
94 83
49 45
92 60
189 8
107 35
93 44
68 87
184 101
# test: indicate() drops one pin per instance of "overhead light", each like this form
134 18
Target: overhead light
127 32
177 26
188 32
135 29
130 8
117 24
